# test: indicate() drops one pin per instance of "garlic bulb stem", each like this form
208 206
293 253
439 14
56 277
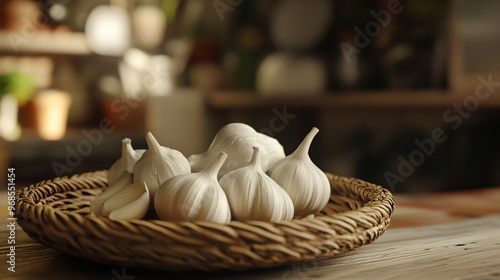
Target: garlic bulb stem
302 150
158 164
127 148
153 143
255 162
129 155
126 162
214 168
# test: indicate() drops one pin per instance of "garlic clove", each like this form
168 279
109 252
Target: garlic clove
96 204
131 202
158 164
253 195
305 183
194 196
126 162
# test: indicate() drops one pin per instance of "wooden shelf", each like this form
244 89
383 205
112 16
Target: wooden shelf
44 42
356 99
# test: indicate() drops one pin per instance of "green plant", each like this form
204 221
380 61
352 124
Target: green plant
20 85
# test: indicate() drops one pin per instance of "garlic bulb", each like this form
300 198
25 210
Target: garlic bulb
237 139
158 164
194 196
126 162
253 195
132 202
239 154
121 183
274 150
306 184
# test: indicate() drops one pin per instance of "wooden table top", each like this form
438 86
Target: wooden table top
453 235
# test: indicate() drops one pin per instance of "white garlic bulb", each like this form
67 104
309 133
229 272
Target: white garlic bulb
237 140
121 183
132 202
273 149
239 154
306 184
253 195
158 164
126 162
194 196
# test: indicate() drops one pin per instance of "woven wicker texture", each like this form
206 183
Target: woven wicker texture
55 213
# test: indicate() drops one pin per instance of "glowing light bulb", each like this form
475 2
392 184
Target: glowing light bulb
108 30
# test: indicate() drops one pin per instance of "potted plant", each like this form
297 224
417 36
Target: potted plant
15 89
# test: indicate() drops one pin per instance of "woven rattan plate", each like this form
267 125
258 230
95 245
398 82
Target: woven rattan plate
55 213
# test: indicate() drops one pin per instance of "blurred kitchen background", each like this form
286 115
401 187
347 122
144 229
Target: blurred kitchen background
375 77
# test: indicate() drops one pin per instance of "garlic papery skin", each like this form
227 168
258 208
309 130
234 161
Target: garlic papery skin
228 134
96 204
239 154
237 140
253 195
305 183
194 196
158 164
126 162
225 138
273 149
132 202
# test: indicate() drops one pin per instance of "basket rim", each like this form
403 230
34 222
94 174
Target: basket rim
370 221
387 196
